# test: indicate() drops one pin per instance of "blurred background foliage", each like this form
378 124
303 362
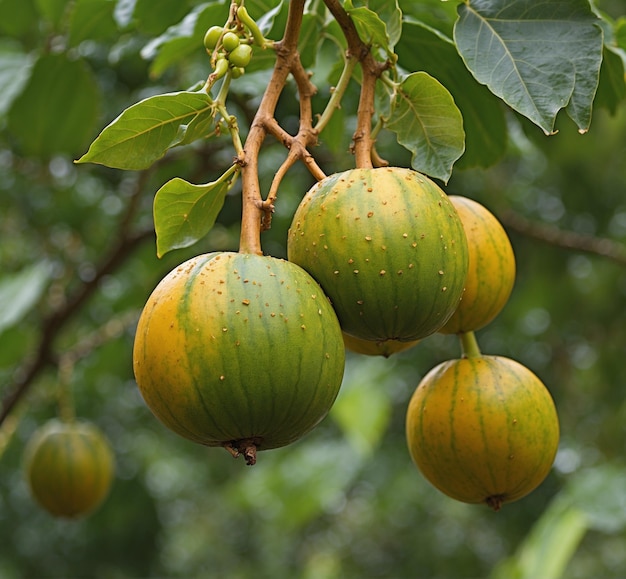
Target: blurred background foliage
346 501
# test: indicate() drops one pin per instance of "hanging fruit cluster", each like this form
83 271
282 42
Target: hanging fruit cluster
246 351
482 429
230 47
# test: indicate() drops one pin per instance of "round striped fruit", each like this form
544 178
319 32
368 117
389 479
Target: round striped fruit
239 350
482 429
387 247
69 467
491 271
385 348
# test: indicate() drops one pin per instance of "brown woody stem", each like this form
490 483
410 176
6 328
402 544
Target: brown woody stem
253 209
372 69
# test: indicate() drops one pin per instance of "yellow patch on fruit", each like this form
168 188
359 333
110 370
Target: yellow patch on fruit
491 271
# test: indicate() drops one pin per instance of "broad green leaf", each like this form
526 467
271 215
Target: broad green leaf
370 27
17 17
429 124
389 13
539 57
57 110
620 33
92 20
184 213
309 40
19 292
598 491
612 86
52 10
272 20
434 13
144 132
185 38
154 16
423 48
592 499
549 546
15 68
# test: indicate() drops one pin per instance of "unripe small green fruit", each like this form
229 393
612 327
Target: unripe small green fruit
221 68
212 36
230 41
241 55
237 71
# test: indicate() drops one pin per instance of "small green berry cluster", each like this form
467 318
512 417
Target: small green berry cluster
230 47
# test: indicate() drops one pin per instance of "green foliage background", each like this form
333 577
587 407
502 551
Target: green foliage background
346 500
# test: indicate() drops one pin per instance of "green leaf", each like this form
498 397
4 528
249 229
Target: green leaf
389 13
549 546
15 69
185 38
41 117
620 33
371 29
92 20
309 39
184 213
539 57
144 132
18 17
271 21
429 124
612 86
19 292
434 13
598 491
423 48
52 10
154 16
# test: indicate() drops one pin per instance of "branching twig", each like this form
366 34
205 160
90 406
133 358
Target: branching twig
255 212
53 324
372 69
562 238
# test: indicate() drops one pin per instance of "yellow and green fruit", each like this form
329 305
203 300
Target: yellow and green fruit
239 350
69 467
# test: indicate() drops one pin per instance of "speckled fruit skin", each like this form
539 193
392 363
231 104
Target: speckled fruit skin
387 247
69 467
491 271
237 347
482 429
368 348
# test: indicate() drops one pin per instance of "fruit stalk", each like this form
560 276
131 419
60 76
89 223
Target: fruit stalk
469 345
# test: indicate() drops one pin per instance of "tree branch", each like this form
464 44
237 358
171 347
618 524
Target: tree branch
372 69
253 210
562 238
53 323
